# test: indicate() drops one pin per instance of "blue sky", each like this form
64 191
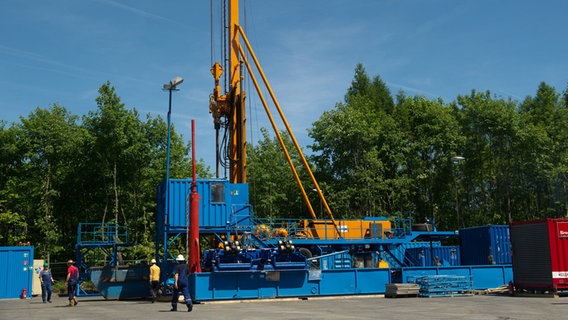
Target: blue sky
62 51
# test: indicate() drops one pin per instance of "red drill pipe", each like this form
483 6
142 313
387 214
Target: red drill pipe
194 250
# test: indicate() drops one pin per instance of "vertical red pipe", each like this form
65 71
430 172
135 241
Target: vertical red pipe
194 250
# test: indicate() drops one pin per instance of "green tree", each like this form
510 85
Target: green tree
374 90
12 226
433 136
127 160
357 151
121 174
491 128
274 192
546 112
46 139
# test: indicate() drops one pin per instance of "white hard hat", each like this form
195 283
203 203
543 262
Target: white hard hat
153 261
180 258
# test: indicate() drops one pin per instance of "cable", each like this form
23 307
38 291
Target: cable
211 31
224 30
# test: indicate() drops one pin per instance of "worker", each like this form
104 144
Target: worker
181 284
154 279
71 282
45 279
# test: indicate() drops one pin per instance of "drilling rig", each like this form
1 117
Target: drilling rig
270 258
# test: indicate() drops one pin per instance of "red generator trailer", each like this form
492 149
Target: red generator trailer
540 255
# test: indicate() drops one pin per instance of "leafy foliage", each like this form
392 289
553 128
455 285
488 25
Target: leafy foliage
274 191
381 158
372 155
12 227
57 173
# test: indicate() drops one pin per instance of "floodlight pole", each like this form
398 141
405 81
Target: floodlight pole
171 86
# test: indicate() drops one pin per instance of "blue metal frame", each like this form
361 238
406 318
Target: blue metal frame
108 237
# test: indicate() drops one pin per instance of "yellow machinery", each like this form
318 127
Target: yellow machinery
345 229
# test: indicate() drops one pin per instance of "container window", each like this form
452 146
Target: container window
217 192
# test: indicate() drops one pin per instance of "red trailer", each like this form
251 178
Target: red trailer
540 254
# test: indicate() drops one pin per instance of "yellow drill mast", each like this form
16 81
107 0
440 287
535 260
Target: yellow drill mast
232 104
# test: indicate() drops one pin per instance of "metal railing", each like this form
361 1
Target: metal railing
101 233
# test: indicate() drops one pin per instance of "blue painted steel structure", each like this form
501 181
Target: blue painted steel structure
121 282
208 286
16 268
224 208
278 260
268 284
109 238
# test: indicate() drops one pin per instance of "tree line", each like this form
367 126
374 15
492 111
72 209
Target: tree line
58 170
480 159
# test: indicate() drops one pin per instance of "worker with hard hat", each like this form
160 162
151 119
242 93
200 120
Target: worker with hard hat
45 279
154 279
71 282
181 284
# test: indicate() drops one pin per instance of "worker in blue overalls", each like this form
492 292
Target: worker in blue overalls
181 284
46 279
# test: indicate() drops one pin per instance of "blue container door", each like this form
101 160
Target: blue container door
485 245
240 208
17 271
433 257
500 244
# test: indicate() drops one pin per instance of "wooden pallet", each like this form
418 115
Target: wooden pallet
401 290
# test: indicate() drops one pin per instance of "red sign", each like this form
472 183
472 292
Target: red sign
562 228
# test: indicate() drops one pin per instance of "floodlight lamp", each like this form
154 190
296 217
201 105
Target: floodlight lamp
175 82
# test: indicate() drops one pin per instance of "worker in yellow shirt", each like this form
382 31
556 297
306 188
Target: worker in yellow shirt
154 279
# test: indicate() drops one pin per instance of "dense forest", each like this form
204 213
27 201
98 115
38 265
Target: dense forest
481 159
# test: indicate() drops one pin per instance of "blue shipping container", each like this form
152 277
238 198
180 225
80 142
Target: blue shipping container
400 251
433 256
17 269
482 245
220 203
